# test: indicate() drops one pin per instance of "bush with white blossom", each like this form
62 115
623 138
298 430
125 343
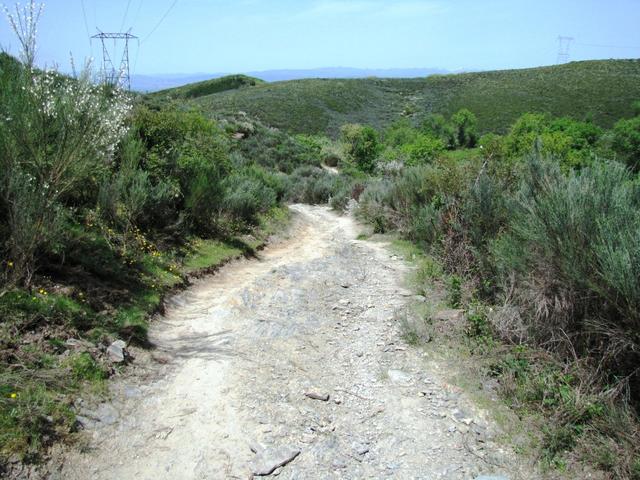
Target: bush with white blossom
56 134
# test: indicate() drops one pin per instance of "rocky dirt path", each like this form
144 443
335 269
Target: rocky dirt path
246 359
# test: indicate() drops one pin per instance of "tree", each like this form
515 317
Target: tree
361 144
492 146
465 125
626 141
424 149
524 133
400 133
437 126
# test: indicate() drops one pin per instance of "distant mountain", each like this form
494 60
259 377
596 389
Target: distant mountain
152 83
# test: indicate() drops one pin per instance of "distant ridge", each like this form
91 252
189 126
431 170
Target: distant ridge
601 90
153 83
345 72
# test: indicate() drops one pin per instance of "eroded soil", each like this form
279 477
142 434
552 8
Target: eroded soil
237 353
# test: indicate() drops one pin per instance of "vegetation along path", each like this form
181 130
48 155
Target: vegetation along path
291 364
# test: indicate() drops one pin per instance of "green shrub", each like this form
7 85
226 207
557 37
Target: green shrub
62 134
568 141
361 144
435 125
373 206
246 197
274 149
316 186
492 146
424 227
485 210
455 291
341 196
572 251
423 150
465 125
523 134
400 133
626 141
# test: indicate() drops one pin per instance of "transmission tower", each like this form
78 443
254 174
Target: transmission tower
111 76
564 43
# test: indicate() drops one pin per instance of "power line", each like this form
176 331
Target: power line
95 15
86 24
135 62
160 22
126 12
135 18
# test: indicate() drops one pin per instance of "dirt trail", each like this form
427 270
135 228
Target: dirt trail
315 313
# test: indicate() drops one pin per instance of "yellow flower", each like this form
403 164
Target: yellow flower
13 395
10 264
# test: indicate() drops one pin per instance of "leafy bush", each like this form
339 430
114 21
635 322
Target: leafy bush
245 197
435 125
572 255
374 205
626 141
400 133
316 186
492 146
270 147
361 144
423 150
465 126
60 133
569 141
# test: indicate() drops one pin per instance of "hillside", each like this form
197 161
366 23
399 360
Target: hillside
207 87
602 89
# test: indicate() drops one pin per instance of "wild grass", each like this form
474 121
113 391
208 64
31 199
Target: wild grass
209 253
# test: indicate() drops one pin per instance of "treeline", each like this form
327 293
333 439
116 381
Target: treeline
537 234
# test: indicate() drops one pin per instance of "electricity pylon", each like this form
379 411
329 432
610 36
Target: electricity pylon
110 76
564 43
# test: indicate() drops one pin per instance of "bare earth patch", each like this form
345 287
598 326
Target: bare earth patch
292 364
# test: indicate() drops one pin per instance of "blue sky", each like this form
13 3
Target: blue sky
248 35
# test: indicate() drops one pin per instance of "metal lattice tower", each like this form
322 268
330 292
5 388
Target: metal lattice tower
564 44
112 76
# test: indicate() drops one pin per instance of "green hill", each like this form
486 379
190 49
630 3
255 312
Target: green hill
207 87
603 89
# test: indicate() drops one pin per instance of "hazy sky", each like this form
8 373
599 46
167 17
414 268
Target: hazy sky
247 35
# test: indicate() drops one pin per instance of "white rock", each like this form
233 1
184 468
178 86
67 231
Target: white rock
116 351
